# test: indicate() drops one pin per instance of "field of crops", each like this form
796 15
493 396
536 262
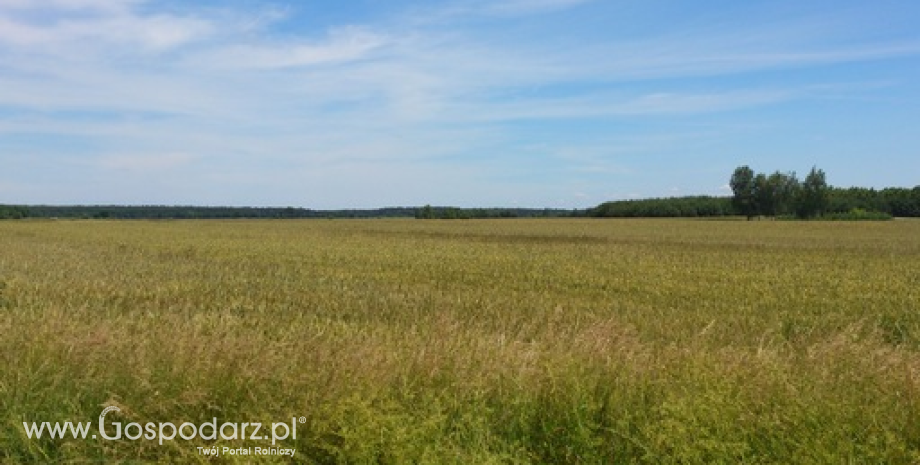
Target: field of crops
492 341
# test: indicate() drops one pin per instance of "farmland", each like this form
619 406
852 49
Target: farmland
479 341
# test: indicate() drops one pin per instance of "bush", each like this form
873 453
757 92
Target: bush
858 214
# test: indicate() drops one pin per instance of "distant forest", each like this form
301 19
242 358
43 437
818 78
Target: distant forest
196 212
842 203
778 195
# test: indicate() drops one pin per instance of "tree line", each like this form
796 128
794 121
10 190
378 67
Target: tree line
13 212
894 201
198 212
455 213
777 195
754 195
670 207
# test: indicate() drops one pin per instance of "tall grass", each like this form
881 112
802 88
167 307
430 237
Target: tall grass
513 341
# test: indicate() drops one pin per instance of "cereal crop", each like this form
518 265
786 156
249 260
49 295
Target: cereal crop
473 341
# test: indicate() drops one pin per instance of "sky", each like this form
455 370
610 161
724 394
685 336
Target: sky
502 103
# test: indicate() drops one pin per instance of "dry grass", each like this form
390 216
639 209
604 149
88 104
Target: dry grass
578 341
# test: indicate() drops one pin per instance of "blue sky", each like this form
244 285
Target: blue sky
372 103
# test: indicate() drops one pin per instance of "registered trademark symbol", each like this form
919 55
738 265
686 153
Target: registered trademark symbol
302 420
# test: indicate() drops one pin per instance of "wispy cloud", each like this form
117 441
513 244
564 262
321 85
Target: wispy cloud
105 24
46 5
341 44
603 104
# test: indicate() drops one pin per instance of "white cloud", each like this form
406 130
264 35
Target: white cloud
45 5
110 25
20 34
341 45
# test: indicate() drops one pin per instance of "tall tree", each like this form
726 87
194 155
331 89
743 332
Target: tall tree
425 213
814 195
784 187
764 196
774 194
743 188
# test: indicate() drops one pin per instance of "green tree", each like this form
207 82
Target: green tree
775 193
743 188
813 195
764 196
785 185
13 212
425 213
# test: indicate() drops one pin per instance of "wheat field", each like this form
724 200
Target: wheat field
479 341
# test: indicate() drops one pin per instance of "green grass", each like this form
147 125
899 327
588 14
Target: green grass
494 341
